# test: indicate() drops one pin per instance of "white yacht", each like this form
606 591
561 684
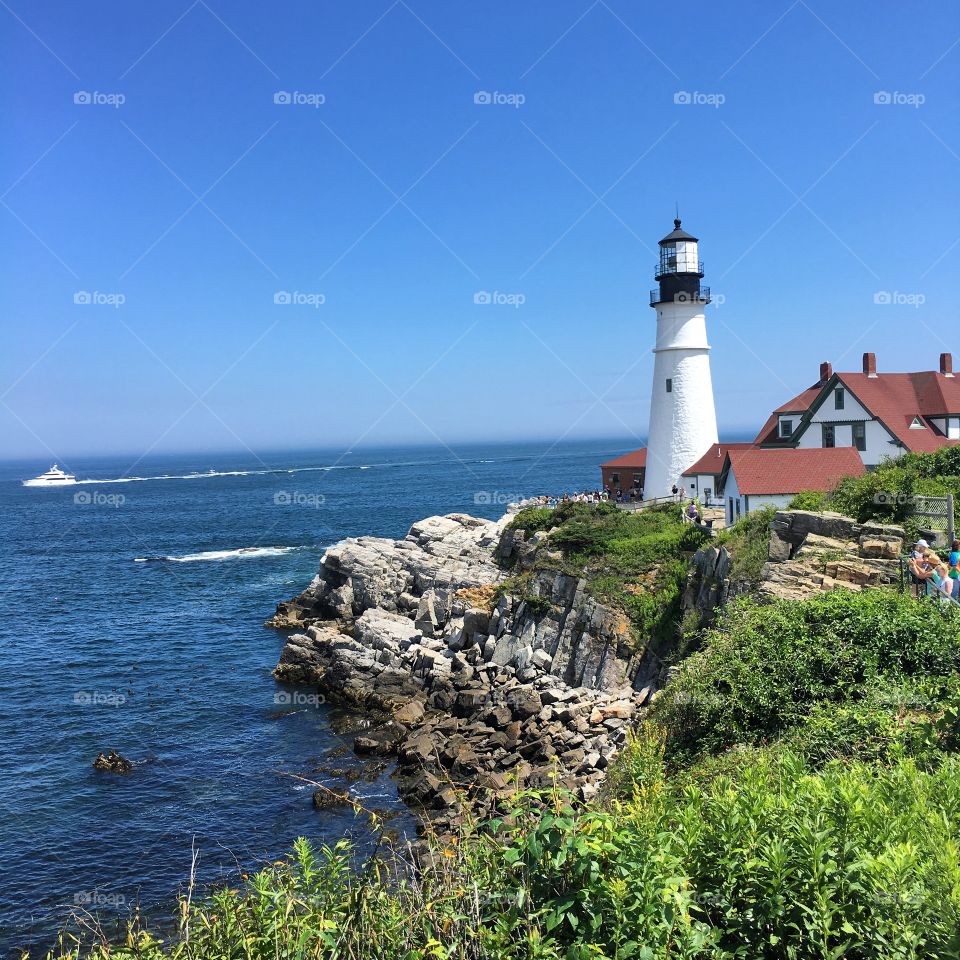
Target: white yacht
54 477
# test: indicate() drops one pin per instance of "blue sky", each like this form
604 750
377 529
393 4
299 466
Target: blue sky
198 199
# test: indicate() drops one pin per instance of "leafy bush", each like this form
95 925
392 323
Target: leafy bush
808 500
748 541
533 519
777 864
766 667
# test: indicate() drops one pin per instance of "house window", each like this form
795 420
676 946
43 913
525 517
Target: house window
829 439
637 481
953 428
860 436
615 478
738 508
838 398
786 428
917 424
669 385
730 509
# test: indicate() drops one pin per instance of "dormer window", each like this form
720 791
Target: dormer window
917 424
838 398
786 428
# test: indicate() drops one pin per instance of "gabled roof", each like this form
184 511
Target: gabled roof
790 470
713 460
636 460
895 399
899 398
769 432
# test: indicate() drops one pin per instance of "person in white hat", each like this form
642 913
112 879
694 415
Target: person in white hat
921 567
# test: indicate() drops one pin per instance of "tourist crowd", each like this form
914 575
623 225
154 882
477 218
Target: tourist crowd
930 574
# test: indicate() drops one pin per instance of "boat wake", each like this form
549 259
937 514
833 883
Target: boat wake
243 553
283 471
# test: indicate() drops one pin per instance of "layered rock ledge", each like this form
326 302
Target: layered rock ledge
480 691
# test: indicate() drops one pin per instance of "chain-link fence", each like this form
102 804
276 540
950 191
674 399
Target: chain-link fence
935 514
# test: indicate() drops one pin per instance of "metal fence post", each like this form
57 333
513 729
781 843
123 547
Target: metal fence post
950 524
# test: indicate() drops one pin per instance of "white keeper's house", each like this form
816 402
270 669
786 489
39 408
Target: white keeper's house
878 414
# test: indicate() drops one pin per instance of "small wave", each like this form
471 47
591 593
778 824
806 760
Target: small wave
239 554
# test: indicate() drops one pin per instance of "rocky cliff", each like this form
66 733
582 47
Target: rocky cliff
481 688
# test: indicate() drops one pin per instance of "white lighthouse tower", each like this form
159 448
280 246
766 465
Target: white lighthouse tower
683 420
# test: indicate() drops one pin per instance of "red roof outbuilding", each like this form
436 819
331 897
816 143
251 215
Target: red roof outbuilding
635 460
792 469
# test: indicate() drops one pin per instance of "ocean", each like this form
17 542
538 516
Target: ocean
131 619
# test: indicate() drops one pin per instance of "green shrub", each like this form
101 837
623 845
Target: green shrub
766 667
533 519
808 500
748 541
774 863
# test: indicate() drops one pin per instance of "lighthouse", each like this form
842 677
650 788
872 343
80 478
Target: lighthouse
683 420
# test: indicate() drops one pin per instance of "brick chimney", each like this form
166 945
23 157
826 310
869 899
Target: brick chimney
870 364
946 364
826 371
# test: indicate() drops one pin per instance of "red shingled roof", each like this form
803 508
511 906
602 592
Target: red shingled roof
799 404
636 459
898 398
791 470
713 460
893 398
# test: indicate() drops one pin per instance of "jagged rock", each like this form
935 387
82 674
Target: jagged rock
112 762
471 691
524 702
410 713
326 799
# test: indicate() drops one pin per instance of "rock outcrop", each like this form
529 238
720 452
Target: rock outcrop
813 552
481 689
112 762
807 553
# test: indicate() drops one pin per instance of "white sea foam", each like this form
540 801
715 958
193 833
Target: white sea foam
282 471
242 553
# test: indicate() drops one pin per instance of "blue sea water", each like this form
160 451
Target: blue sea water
131 619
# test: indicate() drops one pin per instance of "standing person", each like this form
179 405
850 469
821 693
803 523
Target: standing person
946 587
675 491
921 568
953 561
692 512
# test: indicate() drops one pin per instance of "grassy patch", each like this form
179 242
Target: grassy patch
633 561
748 542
